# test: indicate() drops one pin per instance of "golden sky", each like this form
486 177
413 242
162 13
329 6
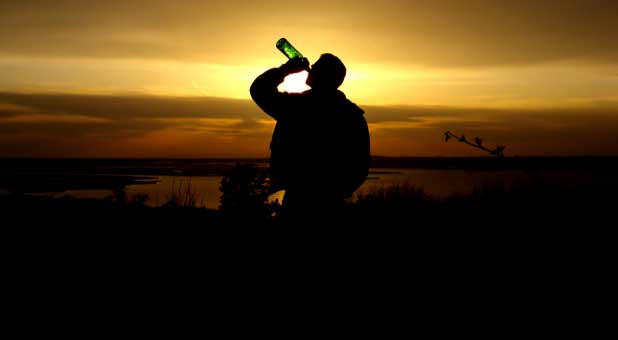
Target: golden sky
171 78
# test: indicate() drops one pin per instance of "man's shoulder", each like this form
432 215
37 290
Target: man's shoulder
350 105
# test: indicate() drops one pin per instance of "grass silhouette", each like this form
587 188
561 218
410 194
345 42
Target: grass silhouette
183 194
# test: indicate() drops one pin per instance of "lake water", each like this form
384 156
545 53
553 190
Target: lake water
437 183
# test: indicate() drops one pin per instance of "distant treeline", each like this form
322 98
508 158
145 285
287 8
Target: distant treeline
219 166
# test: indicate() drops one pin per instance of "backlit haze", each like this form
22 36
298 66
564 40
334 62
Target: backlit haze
171 78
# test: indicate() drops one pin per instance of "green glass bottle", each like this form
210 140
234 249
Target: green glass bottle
286 48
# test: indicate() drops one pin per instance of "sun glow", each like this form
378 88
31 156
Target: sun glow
295 83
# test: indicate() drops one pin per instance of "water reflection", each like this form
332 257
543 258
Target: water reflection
204 188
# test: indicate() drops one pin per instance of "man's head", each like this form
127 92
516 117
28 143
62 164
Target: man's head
327 73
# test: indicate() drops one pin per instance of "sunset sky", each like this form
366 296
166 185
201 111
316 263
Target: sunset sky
171 78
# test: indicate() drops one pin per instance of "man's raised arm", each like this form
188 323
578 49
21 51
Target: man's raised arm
264 88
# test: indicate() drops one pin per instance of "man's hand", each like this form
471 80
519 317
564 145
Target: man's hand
295 65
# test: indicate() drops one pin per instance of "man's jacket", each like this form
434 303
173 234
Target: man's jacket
320 142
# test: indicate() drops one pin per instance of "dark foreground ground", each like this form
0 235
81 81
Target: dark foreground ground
501 257
539 214
534 248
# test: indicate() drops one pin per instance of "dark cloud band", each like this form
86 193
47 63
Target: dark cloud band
53 124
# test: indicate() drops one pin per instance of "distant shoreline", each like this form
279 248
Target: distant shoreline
218 166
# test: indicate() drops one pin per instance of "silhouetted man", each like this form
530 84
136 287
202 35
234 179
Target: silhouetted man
320 145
